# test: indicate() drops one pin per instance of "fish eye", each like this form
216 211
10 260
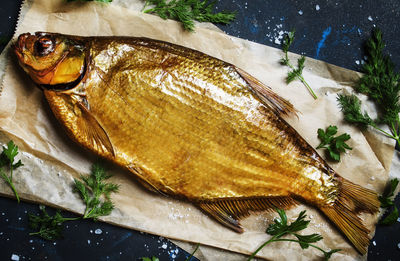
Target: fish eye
44 46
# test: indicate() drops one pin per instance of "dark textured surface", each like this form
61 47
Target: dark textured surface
334 33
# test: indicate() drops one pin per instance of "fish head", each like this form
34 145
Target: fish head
51 59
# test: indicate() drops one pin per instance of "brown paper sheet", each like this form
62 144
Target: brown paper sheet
51 160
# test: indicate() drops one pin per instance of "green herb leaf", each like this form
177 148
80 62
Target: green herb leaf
391 218
334 145
294 73
153 258
280 228
192 254
351 108
47 227
387 201
381 84
7 158
187 11
95 192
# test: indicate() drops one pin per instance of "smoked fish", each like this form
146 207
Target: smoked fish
189 126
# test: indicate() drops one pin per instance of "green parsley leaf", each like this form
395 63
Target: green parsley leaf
281 228
382 85
334 145
387 201
7 160
187 11
294 73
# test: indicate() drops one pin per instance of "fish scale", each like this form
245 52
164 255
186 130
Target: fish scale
189 126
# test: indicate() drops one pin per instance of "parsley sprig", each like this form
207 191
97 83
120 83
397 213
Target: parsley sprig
95 193
334 145
387 201
281 228
187 11
381 84
295 73
7 161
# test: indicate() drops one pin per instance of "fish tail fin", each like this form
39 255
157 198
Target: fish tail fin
352 200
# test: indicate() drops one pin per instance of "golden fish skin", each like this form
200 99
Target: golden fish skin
190 126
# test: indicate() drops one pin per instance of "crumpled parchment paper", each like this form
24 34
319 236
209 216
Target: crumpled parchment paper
52 160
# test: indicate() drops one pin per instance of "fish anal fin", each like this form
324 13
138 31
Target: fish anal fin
343 213
267 96
230 211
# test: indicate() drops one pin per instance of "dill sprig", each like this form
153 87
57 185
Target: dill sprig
281 228
295 73
387 201
46 226
7 160
381 84
95 193
187 11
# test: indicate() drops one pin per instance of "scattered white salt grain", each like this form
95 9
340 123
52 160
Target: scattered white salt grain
317 7
398 245
277 41
357 62
91 231
300 12
374 243
98 231
88 242
370 18
15 257
398 219
164 246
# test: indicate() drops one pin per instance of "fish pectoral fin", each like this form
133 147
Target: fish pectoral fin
229 211
94 133
267 96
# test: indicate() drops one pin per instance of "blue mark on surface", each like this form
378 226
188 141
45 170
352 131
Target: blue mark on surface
123 238
251 24
321 43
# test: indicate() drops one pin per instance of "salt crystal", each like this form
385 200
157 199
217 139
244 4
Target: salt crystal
15 257
98 231
300 12
164 246
88 242
317 7
277 41
398 219
370 18
357 62
374 243
398 245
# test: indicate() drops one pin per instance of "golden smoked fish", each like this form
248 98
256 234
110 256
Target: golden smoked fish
189 126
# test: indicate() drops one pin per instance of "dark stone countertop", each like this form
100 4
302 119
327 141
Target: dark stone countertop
332 31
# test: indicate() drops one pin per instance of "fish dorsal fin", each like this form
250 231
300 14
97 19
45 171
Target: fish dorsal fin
94 133
266 95
229 211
